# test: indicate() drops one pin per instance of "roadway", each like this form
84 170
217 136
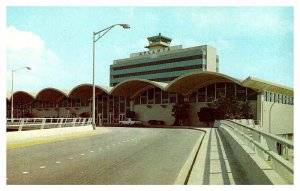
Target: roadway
144 156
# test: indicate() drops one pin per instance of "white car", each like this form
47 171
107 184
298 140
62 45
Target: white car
130 122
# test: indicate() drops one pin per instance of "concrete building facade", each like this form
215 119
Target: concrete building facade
164 63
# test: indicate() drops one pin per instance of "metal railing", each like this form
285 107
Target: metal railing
249 122
45 123
277 151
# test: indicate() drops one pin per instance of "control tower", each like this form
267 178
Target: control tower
158 42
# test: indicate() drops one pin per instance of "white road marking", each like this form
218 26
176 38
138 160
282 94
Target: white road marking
82 154
42 166
71 158
57 162
25 172
91 151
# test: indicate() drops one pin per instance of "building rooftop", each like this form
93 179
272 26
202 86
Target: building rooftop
184 84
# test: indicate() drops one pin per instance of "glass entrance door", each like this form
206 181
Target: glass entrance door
100 119
122 117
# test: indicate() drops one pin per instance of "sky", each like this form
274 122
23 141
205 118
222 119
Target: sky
57 41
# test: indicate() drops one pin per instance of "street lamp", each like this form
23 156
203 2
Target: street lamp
12 89
100 34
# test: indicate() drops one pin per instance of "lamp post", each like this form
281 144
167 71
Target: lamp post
100 34
12 89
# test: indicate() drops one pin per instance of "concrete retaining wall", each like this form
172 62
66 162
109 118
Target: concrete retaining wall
258 171
33 135
155 112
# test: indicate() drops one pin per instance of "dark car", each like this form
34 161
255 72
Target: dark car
156 122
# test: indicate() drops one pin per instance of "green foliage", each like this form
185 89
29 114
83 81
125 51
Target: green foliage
230 108
206 115
180 112
84 114
130 114
224 108
28 115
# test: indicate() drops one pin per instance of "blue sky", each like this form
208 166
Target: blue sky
57 41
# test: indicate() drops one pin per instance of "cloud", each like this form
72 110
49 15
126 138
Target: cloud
25 48
23 42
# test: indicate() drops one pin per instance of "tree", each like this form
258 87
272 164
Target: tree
180 112
84 114
230 108
130 114
225 108
206 115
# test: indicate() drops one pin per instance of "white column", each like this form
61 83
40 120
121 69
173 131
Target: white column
260 107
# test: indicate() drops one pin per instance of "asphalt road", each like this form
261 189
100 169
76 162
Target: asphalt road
124 156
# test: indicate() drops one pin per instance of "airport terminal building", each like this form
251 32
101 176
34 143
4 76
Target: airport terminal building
151 82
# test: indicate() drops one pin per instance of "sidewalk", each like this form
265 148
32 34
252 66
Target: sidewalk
215 163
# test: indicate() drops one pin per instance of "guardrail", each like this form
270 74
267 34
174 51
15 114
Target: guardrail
45 123
277 151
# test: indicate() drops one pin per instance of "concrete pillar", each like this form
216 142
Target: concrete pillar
131 105
30 106
57 107
260 111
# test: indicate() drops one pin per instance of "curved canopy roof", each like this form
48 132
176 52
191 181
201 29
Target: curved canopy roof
51 94
261 85
24 97
85 91
185 85
133 87
188 83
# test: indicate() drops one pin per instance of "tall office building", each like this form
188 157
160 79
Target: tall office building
164 63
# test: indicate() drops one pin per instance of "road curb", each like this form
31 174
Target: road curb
185 171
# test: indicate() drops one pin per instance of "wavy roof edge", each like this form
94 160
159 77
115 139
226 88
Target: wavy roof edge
250 82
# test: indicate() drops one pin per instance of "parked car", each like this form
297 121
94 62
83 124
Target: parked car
156 122
130 122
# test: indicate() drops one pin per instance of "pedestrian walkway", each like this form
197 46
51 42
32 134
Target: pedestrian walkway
215 163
